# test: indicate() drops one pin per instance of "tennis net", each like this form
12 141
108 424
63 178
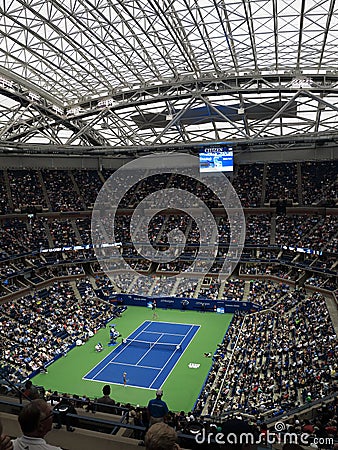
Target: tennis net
150 345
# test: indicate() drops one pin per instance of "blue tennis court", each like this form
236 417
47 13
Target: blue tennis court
148 355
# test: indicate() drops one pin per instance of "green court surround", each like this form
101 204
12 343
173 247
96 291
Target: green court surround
182 387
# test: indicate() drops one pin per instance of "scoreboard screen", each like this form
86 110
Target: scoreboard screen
216 159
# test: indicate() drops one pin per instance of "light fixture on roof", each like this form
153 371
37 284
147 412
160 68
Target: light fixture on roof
33 96
57 109
105 125
301 83
6 83
74 111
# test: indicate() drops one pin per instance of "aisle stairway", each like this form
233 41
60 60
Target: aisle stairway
76 231
265 171
75 290
77 189
49 235
333 311
44 190
246 290
273 229
299 183
8 189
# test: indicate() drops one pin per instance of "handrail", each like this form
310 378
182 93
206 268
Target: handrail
13 386
301 408
115 425
228 367
232 354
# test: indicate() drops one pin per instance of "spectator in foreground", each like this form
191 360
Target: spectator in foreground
30 391
157 409
105 403
237 435
5 441
63 408
161 436
36 420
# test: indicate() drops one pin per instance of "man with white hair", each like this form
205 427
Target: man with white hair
36 420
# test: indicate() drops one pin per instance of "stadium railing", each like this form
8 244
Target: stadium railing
118 433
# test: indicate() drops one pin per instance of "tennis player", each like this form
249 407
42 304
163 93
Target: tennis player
124 379
153 307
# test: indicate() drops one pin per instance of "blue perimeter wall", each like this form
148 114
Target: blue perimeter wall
230 306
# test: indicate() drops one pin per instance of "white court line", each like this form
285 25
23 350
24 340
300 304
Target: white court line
170 334
134 365
121 384
150 348
123 348
84 377
161 370
176 323
191 326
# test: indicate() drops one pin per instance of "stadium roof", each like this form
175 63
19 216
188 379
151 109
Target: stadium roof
116 76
